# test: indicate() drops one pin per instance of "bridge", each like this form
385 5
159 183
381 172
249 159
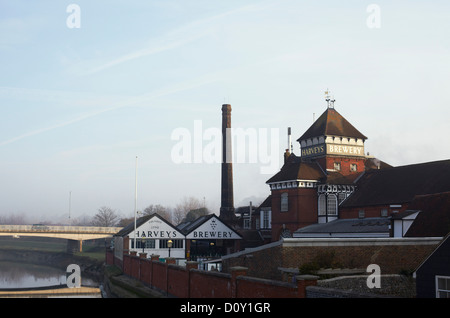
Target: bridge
71 233
58 291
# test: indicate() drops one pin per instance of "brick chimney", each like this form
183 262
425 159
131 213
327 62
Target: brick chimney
227 200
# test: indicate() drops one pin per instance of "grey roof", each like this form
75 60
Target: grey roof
343 227
187 227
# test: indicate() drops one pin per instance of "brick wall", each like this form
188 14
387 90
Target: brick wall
189 282
255 272
391 254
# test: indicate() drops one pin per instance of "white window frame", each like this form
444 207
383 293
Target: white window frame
322 202
447 288
332 205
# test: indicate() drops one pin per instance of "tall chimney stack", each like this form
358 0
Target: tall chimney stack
227 200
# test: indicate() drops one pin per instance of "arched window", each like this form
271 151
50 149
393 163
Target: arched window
284 202
322 204
332 204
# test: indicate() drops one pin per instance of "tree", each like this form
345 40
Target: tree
105 217
183 208
161 210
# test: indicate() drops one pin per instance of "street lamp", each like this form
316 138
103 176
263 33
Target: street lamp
169 245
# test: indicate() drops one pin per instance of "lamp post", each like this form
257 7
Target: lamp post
169 245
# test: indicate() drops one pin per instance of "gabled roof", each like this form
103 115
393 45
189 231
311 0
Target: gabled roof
188 227
296 169
130 227
331 123
398 185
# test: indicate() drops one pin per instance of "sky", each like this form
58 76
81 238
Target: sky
97 97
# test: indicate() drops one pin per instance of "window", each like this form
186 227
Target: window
342 196
337 166
353 167
322 204
384 212
332 204
247 224
175 244
284 202
361 214
266 219
442 287
143 243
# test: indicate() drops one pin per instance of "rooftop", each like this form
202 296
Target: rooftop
398 185
331 123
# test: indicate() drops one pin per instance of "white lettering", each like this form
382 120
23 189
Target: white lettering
374 279
73 21
247 307
74 279
197 308
374 19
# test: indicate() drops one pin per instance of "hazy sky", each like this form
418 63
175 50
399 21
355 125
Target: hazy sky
83 92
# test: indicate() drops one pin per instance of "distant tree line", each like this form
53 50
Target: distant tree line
187 209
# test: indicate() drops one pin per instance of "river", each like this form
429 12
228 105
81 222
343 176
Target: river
15 275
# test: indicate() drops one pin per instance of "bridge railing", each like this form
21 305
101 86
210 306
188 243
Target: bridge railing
59 229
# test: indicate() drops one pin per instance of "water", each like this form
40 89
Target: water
22 275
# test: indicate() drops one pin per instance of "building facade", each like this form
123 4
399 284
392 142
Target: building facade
334 180
310 188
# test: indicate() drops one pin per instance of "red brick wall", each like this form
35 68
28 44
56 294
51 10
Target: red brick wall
178 281
369 211
302 210
159 276
193 283
328 163
209 285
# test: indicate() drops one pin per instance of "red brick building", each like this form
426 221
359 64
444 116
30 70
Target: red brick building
333 179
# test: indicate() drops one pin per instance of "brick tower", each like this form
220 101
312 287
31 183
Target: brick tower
227 200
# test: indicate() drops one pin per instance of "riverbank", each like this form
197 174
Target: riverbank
118 285
90 268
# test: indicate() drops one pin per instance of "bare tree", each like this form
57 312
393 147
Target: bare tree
13 219
187 204
161 210
105 217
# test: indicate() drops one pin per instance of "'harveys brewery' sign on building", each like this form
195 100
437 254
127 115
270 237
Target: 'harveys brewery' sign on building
212 228
154 235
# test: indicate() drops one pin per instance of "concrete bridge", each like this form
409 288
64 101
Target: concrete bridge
58 291
71 233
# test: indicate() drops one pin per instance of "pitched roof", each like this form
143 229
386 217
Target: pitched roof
130 227
398 185
434 218
346 228
189 226
331 123
295 169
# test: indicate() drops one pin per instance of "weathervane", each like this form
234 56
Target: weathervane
330 100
